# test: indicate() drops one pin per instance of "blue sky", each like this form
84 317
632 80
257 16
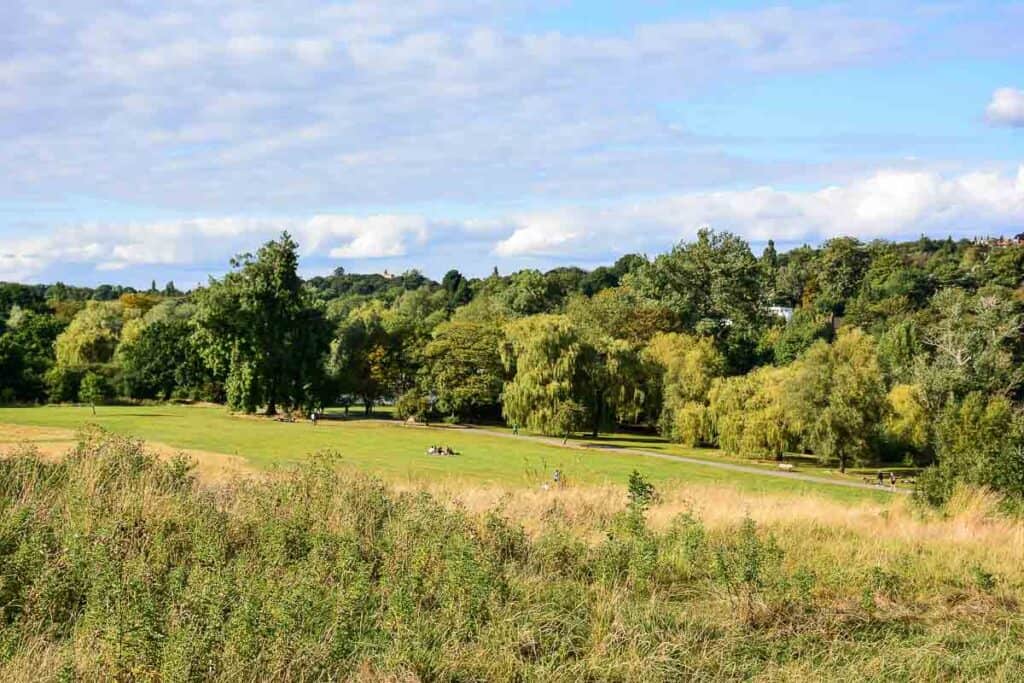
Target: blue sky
147 140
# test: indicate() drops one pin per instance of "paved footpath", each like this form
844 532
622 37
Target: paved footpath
732 467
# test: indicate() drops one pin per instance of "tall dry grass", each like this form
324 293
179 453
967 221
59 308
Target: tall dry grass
116 564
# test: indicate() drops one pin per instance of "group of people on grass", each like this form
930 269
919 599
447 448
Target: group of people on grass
441 450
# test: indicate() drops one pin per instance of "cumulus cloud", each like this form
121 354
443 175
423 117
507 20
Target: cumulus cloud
1006 107
208 242
889 204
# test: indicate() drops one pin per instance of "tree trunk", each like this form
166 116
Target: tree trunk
271 408
842 464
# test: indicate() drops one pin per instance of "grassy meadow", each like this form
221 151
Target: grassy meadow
116 565
397 452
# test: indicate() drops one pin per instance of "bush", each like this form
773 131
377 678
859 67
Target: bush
979 443
412 404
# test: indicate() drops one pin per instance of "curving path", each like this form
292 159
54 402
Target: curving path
732 467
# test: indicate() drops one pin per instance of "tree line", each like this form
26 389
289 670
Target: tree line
856 353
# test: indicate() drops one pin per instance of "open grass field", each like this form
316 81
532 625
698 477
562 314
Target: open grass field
393 451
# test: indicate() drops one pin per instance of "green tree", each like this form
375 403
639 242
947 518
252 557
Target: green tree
836 398
162 362
457 289
840 270
527 293
713 286
463 367
712 282
262 332
682 369
92 336
794 279
544 354
364 358
94 390
979 442
26 355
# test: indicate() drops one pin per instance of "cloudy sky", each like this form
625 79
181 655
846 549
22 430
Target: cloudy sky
143 140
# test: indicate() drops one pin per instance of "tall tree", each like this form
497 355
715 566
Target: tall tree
712 283
836 398
713 286
463 367
546 356
262 331
841 268
682 369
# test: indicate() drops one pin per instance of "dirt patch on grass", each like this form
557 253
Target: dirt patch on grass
53 443
20 433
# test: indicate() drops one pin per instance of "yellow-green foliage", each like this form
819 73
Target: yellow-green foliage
749 413
687 366
92 336
545 353
907 418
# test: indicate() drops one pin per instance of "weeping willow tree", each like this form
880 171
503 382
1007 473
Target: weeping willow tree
545 356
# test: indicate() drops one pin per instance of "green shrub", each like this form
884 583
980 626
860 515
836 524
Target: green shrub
116 565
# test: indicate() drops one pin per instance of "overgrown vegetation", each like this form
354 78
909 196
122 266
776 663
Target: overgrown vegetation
875 354
117 566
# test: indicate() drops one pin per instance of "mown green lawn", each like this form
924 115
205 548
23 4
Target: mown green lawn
804 464
398 452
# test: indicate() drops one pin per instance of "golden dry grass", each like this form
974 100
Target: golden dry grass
53 443
971 533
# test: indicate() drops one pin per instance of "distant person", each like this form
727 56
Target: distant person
881 478
892 479
515 429
558 478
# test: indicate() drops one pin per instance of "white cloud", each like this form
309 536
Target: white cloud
1006 107
888 204
544 234
412 101
366 238
208 242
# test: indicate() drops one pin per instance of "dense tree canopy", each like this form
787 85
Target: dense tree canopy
855 353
